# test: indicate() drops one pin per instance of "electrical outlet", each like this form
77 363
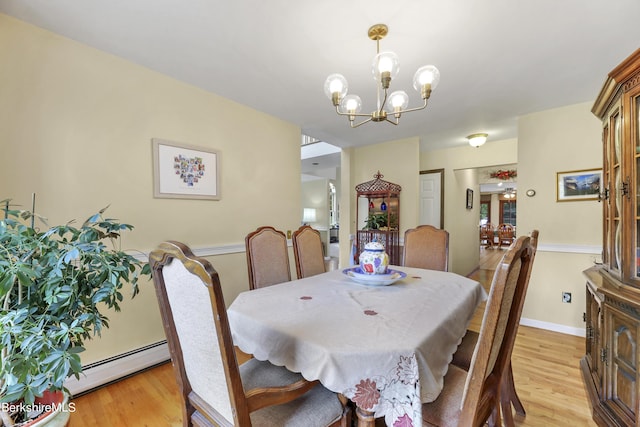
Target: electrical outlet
288 234
566 297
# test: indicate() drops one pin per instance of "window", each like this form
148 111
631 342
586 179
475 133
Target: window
508 212
485 212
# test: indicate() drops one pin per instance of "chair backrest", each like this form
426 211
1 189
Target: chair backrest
267 257
426 247
518 304
497 334
195 322
486 230
307 250
505 231
534 243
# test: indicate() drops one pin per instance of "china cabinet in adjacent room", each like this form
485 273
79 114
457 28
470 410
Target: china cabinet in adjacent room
378 213
610 367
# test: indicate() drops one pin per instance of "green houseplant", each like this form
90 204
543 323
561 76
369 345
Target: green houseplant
378 221
55 286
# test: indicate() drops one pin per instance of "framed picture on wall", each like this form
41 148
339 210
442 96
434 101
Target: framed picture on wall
578 185
469 198
182 171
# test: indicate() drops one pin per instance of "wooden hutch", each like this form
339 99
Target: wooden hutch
610 367
380 201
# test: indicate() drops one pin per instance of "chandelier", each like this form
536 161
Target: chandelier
384 68
509 193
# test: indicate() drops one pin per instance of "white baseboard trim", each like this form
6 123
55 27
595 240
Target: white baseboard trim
106 371
570 330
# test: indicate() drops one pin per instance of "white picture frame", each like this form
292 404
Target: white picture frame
183 171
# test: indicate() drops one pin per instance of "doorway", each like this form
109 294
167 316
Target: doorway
498 198
320 176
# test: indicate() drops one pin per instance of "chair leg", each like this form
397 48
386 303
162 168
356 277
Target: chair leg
508 396
505 405
512 394
494 419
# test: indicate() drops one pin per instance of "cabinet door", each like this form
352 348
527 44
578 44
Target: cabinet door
622 360
630 186
635 190
605 194
617 193
613 188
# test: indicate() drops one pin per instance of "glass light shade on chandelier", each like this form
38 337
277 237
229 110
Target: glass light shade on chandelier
385 68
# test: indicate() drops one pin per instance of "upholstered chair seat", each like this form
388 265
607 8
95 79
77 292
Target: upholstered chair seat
317 407
446 410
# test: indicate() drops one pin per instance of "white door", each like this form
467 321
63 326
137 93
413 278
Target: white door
431 198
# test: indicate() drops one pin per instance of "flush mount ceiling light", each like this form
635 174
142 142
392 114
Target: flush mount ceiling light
477 139
384 68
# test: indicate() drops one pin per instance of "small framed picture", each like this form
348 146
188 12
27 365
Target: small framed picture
469 198
578 185
182 171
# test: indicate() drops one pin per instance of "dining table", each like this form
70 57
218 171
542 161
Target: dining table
384 346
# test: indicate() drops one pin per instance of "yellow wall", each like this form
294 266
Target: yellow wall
76 126
315 194
347 206
551 141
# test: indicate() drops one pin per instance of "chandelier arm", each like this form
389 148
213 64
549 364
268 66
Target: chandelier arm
361 123
397 122
353 114
422 107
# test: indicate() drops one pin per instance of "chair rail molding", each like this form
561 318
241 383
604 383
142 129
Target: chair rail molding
571 248
205 251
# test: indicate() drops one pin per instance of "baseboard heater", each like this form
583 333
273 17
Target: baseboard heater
115 368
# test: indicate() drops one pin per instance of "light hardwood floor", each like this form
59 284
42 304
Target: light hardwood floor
545 364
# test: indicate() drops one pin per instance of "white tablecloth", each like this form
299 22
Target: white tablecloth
387 348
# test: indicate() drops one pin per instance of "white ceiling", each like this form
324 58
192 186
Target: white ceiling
499 59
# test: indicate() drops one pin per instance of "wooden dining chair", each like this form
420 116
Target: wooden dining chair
426 247
471 398
506 235
486 235
307 250
216 391
464 353
267 257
